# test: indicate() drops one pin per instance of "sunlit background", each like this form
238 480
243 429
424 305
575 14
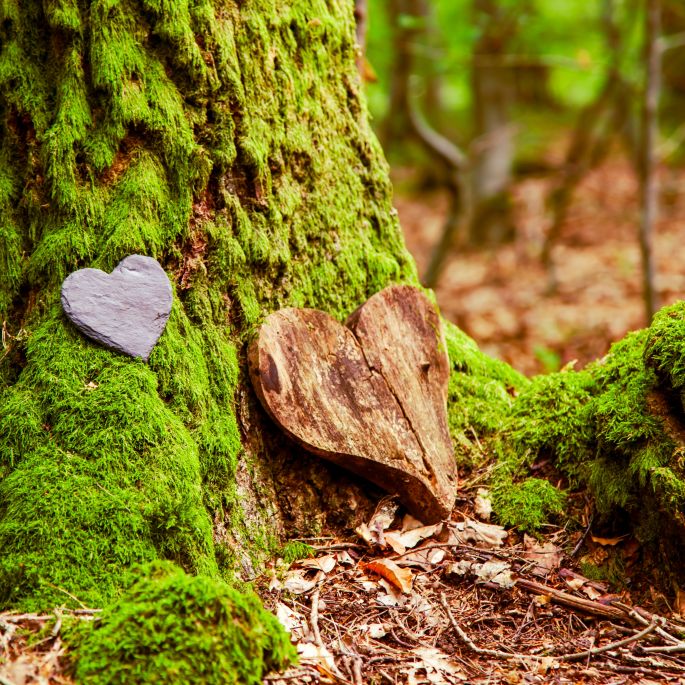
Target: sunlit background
528 158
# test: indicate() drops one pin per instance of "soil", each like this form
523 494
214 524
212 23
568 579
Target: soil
499 295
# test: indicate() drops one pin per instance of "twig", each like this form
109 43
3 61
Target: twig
357 671
314 618
606 648
470 643
575 656
586 605
583 537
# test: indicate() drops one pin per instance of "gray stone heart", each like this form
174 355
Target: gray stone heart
126 310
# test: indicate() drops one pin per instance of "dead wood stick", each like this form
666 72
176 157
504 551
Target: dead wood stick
665 649
314 618
638 615
577 656
586 605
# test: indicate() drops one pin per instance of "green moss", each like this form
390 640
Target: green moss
480 395
232 145
664 350
171 628
528 504
550 418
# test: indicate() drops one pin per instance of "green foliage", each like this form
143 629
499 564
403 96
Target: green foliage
480 394
294 550
101 473
550 417
171 628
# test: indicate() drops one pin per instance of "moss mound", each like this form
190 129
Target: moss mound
169 627
617 427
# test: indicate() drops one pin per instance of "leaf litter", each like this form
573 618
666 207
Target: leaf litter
465 601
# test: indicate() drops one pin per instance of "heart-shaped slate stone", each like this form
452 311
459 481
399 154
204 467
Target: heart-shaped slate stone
126 310
369 396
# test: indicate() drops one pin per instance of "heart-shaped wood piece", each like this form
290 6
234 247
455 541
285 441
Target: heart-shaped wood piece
369 396
126 310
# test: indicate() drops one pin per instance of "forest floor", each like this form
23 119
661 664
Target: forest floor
498 296
468 602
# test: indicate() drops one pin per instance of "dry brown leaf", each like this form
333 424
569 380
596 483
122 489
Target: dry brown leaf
344 558
409 523
482 505
298 584
294 623
498 572
439 667
373 532
608 542
485 535
680 602
424 558
402 541
547 557
400 577
325 564
394 539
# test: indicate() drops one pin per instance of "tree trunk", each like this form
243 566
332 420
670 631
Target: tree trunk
493 146
231 143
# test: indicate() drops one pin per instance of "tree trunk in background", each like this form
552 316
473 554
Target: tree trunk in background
231 143
648 155
397 125
492 151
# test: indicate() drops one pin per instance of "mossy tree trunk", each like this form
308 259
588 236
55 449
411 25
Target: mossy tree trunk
229 140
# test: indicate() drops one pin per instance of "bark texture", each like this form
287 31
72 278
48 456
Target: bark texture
369 396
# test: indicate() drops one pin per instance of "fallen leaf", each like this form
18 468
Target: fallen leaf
680 602
485 535
438 665
308 651
373 532
298 584
345 559
482 505
546 557
608 542
394 539
374 630
325 564
459 568
291 621
400 577
423 558
410 523
498 572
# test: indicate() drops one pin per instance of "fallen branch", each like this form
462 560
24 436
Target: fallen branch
587 606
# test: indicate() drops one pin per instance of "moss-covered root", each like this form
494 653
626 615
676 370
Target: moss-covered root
617 426
169 627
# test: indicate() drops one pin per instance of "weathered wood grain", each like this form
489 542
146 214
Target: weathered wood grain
370 396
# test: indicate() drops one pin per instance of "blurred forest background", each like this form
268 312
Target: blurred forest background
538 155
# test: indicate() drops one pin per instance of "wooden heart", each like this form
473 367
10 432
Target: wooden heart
369 396
126 310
